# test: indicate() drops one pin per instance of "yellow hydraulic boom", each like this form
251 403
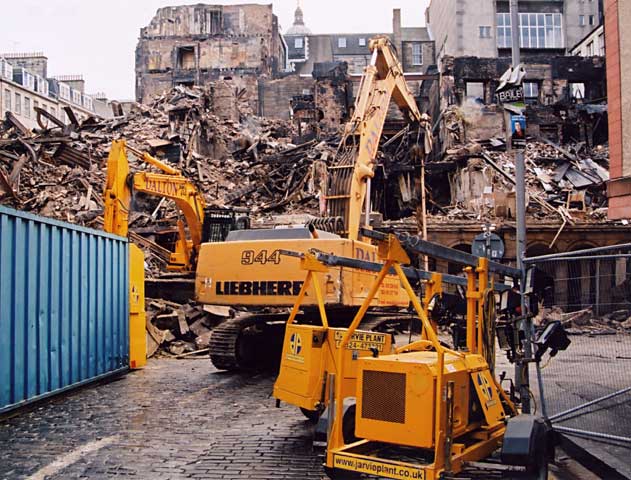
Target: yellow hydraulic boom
382 82
121 184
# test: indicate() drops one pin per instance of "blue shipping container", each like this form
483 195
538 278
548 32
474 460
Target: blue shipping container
64 306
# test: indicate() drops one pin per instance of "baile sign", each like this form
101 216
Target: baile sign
510 88
512 94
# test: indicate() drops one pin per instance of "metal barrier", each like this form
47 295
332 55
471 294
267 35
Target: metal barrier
64 307
587 388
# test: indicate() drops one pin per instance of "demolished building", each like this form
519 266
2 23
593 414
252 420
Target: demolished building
470 181
194 44
276 169
558 90
249 164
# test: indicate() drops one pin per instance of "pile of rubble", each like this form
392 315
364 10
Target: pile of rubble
179 330
586 322
233 158
564 182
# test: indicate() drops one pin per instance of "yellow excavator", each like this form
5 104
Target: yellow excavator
120 186
119 189
247 270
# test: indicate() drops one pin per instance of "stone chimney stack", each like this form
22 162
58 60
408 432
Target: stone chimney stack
396 31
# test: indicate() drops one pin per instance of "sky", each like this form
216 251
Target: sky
97 38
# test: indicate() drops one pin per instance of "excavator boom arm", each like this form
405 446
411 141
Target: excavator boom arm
171 184
382 82
180 190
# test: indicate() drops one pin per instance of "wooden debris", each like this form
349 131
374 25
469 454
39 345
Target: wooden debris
177 328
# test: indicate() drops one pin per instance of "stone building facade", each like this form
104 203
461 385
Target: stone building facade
414 47
192 44
482 28
25 86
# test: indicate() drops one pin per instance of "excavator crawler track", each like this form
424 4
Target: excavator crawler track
254 340
233 344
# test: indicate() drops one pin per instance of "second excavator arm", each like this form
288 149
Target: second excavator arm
121 184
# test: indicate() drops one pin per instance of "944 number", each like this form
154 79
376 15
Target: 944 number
250 257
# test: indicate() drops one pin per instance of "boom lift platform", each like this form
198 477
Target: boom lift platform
423 410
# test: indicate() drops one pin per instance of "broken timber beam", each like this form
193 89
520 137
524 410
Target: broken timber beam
71 156
565 153
48 116
12 119
74 121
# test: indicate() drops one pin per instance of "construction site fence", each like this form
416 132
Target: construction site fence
64 314
587 388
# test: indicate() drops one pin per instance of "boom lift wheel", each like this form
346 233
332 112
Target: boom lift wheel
348 424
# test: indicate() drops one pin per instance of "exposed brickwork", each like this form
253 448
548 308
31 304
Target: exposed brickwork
619 195
612 39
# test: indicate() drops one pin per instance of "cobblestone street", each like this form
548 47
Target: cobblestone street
174 419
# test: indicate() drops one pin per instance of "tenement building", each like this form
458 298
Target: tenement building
26 87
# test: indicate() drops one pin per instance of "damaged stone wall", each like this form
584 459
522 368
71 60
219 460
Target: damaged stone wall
333 92
553 73
192 45
329 87
276 94
561 82
472 176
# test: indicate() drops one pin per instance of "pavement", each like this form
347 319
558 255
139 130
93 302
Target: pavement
175 419
591 368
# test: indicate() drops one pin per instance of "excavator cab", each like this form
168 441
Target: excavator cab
219 222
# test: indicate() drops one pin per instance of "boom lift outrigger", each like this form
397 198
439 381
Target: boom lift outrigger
424 410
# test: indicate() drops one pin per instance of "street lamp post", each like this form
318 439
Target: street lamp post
521 368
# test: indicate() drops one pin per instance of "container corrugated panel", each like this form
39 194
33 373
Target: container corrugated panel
64 309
